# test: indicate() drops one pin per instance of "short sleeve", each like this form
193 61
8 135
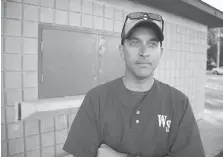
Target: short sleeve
83 138
188 142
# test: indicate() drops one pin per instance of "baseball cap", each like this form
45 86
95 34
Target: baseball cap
150 20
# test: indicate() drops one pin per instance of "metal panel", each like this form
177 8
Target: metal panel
68 63
111 65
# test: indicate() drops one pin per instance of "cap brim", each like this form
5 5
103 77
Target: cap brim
148 24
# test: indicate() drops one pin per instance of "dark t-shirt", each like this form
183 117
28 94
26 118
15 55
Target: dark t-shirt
149 124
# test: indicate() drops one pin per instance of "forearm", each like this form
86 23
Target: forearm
129 155
140 156
104 150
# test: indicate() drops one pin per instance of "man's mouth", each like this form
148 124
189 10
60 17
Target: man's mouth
144 63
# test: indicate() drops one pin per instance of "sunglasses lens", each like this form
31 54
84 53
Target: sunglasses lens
135 15
155 17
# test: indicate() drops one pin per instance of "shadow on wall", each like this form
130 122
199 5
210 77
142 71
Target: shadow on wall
220 154
64 154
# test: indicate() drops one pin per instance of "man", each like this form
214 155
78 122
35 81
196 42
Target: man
136 115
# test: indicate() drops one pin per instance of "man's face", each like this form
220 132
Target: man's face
141 52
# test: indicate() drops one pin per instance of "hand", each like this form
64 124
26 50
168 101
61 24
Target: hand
106 151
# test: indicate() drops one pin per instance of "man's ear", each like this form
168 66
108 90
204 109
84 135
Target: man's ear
161 51
121 50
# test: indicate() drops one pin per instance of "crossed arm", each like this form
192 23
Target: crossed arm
106 151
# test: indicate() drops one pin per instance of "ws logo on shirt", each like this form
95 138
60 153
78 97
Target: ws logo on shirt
163 122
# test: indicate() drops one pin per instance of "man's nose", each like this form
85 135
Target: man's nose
144 51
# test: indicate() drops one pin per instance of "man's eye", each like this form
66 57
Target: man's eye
153 44
134 42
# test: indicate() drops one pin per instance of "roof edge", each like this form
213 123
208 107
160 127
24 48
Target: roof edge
195 10
201 5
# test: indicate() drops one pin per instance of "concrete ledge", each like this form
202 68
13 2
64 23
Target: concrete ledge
45 108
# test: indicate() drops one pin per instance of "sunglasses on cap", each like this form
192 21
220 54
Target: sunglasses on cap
134 18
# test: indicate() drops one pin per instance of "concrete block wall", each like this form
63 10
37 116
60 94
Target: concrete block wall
183 62
182 65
